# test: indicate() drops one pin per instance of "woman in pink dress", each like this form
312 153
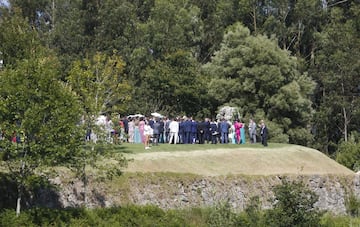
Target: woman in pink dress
237 126
141 129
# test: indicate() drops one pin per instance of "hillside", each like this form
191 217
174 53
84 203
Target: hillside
257 160
183 176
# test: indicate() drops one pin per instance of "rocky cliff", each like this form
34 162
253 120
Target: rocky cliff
170 191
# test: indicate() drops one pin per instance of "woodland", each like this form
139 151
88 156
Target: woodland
293 63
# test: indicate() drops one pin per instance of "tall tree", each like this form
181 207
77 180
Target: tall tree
38 118
17 38
336 69
173 85
102 86
253 73
101 83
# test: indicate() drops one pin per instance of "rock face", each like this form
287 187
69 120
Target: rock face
169 192
227 113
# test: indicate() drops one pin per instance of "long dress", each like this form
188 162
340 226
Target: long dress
237 126
137 136
141 129
131 131
232 135
242 134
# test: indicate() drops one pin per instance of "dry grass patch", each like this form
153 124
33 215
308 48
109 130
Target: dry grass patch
290 159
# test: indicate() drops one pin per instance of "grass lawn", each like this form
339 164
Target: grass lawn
139 148
224 159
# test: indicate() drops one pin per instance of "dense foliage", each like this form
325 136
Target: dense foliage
293 63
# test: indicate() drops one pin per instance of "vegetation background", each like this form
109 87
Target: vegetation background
294 64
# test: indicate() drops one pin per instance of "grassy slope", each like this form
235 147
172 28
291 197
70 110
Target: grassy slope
213 160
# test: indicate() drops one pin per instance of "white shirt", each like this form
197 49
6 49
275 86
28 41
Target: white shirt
174 126
148 130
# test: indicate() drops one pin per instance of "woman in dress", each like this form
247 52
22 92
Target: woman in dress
141 129
148 131
242 133
237 126
137 136
131 126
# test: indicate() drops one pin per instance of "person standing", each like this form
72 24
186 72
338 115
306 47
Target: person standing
242 133
207 130
161 131
167 130
181 131
264 133
201 131
174 131
131 131
141 129
137 136
194 130
214 131
187 130
237 126
224 130
148 131
156 132
252 131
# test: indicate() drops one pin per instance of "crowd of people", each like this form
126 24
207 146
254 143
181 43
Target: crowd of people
186 130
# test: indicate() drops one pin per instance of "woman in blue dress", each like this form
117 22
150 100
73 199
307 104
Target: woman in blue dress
242 133
137 135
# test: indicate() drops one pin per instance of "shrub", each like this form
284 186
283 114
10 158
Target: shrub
348 154
221 216
293 206
353 205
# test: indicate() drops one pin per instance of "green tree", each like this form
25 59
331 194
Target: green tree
17 38
336 70
38 118
253 73
348 154
173 86
34 11
101 83
103 89
293 206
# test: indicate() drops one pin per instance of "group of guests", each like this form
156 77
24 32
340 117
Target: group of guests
186 130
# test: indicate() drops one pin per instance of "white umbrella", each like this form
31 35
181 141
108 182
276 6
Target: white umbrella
156 115
138 115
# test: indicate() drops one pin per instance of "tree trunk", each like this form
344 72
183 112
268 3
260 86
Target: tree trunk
20 186
345 125
254 20
18 202
85 186
345 115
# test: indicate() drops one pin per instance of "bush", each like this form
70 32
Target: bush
8 218
221 216
329 220
252 215
353 206
348 154
293 206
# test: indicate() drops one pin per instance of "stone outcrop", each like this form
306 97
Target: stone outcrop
182 191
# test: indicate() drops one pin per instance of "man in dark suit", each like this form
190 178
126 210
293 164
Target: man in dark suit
263 133
187 130
194 130
201 131
214 132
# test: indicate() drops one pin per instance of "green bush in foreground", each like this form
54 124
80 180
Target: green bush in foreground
293 205
220 215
